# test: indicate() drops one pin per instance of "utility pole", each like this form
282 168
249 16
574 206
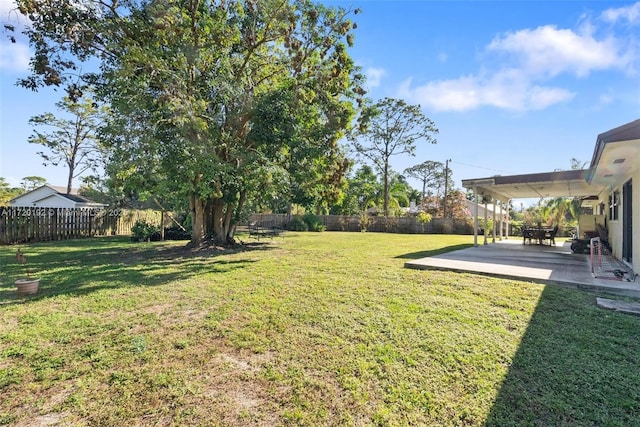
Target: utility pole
446 184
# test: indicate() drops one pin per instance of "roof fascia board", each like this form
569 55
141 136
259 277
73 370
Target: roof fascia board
532 178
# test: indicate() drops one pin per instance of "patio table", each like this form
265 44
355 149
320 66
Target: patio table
541 234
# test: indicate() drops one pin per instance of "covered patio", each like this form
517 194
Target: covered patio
610 175
501 189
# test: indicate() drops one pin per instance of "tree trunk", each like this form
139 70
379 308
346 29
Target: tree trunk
217 212
69 181
386 189
227 223
232 224
72 167
208 224
198 216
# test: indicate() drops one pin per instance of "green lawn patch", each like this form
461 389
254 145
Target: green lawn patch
310 329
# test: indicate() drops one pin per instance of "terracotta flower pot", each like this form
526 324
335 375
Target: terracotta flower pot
27 286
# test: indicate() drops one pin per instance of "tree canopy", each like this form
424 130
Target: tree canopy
7 192
71 141
216 101
364 190
430 173
388 128
32 182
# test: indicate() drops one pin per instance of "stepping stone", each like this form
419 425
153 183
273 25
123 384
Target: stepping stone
621 306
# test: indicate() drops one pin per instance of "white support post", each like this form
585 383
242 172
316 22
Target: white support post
475 218
508 222
501 221
484 226
493 232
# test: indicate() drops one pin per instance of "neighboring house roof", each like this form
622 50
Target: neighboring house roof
470 206
50 196
76 198
63 190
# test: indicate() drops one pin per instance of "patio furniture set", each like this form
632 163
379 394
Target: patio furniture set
539 235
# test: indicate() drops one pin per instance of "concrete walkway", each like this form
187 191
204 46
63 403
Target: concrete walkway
547 264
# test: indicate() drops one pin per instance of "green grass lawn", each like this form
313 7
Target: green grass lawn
309 329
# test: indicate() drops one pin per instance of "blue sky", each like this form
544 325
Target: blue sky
513 86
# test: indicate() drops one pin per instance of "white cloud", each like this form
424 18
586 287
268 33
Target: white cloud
6 6
539 97
519 68
549 51
631 14
509 90
13 181
9 14
448 95
374 76
14 56
605 99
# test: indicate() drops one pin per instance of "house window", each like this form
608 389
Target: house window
614 200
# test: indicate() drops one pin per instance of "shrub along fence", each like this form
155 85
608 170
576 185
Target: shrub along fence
406 225
26 224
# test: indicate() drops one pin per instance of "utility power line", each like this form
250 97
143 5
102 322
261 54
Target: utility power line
481 167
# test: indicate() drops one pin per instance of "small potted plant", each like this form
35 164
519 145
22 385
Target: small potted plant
26 285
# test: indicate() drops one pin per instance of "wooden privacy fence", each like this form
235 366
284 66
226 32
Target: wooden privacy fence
406 225
27 224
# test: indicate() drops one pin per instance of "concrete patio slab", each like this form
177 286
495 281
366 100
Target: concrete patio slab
547 264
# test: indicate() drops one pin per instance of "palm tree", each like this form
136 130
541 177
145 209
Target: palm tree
399 193
563 210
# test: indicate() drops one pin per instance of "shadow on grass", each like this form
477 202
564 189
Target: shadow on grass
576 365
432 252
80 267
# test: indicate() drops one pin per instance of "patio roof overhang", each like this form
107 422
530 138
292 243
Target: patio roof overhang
615 157
572 183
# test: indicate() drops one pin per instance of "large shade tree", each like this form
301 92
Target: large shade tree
430 173
389 128
364 190
70 139
192 87
32 182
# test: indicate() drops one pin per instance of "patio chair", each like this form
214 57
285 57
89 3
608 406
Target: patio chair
552 235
